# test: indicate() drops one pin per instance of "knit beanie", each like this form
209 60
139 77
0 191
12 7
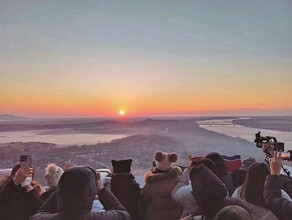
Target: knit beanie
164 161
121 166
206 162
207 188
53 175
246 163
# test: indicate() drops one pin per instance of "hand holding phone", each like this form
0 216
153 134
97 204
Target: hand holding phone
23 172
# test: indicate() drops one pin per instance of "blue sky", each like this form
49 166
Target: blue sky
118 53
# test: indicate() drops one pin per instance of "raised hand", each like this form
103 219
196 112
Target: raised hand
23 172
275 164
67 166
99 182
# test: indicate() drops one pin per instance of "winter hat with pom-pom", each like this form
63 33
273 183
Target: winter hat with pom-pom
53 175
164 161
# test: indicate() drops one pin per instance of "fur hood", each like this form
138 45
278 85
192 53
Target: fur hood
173 173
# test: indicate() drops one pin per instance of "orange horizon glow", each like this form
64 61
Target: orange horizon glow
189 63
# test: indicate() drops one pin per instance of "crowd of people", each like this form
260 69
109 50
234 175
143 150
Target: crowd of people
203 190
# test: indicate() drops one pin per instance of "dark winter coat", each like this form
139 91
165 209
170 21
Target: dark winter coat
157 194
281 207
75 194
16 203
210 193
47 194
238 177
127 191
227 180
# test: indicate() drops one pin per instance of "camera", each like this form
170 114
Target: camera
270 144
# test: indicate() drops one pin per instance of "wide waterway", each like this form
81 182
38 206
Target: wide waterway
227 127
59 139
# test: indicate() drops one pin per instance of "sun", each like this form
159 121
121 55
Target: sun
122 112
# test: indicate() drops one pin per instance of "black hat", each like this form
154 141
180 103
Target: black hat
122 166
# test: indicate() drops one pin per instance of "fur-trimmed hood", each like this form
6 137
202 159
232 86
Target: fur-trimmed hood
157 191
161 184
174 173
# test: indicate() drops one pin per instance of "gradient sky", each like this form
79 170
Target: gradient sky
151 57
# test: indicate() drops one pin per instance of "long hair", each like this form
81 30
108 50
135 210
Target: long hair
253 187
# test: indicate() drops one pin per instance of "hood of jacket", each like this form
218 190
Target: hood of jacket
163 183
76 190
207 187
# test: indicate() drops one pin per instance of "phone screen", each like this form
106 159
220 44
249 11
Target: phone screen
24 159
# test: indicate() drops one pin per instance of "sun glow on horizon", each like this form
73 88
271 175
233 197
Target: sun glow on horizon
122 112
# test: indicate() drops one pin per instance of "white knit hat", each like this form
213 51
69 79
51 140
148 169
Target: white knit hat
53 175
164 161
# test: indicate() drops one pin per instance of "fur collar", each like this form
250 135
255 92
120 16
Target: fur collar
174 172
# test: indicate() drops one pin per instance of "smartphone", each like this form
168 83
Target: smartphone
154 163
286 156
24 159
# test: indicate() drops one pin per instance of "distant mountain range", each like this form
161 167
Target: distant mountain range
10 117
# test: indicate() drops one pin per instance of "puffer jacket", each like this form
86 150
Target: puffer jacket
127 191
75 193
47 194
157 194
16 203
182 194
210 193
281 207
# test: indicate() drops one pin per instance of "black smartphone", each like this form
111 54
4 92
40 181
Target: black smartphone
154 163
24 159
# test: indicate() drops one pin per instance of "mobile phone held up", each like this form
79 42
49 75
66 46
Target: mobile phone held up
24 159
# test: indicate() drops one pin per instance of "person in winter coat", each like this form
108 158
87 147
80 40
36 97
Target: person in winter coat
238 176
222 172
18 199
124 186
251 192
280 206
3 181
182 192
210 193
52 176
233 212
74 196
158 186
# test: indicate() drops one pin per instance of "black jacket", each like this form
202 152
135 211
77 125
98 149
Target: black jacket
74 198
127 190
281 207
47 194
210 193
16 203
227 180
238 177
